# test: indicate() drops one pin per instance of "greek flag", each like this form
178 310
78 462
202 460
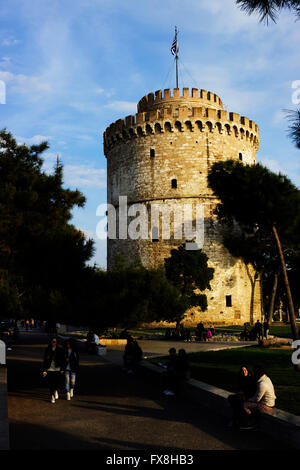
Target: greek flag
175 48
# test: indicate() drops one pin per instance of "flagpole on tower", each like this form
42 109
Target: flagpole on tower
175 50
176 57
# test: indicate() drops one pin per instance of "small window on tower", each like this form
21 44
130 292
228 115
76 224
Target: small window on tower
152 153
240 156
228 301
155 235
174 184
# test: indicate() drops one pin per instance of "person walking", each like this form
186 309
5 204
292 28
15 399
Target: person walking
53 367
258 328
71 366
266 327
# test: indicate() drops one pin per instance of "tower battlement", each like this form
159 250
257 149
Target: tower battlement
159 99
186 113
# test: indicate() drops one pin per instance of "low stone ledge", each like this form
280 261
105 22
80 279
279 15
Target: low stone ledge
102 341
277 423
112 342
4 427
276 342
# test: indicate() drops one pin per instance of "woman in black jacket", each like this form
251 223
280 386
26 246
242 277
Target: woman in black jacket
247 387
71 366
53 367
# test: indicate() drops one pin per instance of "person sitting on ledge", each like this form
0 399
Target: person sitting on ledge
132 355
125 334
208 334
182 367
245 335
247 388
168 377
264 397
200 331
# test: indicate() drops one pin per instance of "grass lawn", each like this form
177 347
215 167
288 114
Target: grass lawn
220 368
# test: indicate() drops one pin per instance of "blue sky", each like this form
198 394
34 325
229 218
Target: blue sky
73 67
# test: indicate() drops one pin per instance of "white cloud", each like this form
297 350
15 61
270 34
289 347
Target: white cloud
50 159
35 140
279 117
83 176
9 42
122 106
84 107
222 81
5 61
25 84
272 164
78 176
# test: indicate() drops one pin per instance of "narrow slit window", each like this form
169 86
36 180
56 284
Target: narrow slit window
152 153
174 184
228 301
155 236
240 156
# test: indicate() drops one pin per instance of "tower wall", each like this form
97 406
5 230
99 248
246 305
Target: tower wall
175 137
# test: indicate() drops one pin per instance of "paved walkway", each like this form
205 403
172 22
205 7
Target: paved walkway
110 411
155 348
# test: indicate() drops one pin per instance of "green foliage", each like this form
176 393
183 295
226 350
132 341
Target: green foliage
255 197
187 271
294 126
126 296
40 252
269 9
253 200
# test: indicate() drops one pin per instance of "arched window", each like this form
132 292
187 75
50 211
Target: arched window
168 127
219 127
157 128
178 126
241 156
189 126
209 125
199 125
227 127
149 129
140 131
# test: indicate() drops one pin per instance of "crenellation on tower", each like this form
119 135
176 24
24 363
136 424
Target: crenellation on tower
153 108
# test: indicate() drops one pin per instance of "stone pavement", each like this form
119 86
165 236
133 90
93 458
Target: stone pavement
152 348
110 411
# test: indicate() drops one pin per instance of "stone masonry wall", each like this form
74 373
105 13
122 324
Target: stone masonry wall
179 138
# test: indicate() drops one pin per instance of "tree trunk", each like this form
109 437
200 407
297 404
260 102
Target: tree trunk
273 297
287 286
252 282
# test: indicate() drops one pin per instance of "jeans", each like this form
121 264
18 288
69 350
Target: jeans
70 378
249 405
